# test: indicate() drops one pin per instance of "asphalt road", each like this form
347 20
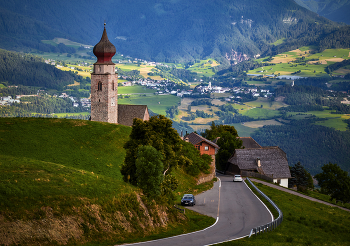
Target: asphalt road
236 209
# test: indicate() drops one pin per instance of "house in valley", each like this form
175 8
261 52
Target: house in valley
202 144
269 163
205 147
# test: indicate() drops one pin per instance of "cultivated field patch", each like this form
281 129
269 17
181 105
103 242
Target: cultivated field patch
261 123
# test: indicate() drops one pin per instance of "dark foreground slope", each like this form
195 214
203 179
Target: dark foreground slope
176 30
60 183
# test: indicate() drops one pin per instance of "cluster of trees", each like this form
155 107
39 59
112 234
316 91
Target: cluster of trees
228 118
172 111
20 69
131 75
337 65
302 140
228 108
334 182
340 108
183 74
41 105
202 114
203 101
153 151
302 108
17 90
301 178
60 48
228 141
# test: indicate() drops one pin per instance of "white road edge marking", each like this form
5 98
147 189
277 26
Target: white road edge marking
261 202
217 220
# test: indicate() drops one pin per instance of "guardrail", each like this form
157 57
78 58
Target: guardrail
180 209
269 226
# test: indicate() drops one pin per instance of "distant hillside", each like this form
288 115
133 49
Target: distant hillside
164 30
21 69
333 10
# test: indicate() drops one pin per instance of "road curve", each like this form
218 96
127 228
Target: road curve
236 209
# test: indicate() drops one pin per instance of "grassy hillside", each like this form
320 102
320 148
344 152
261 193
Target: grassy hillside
305 223
60 183
72 159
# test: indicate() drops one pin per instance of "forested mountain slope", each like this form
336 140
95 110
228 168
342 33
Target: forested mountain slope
28 70
166 30
333 10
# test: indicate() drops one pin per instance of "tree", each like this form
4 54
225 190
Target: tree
149 170
334 182
157 132
300 177
228 141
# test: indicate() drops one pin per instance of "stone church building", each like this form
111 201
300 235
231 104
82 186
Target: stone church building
104 89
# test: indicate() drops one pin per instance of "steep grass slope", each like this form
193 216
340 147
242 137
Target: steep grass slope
60 183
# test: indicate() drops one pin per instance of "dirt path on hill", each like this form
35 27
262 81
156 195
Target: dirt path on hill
298 194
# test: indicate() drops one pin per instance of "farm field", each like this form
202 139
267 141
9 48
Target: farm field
243 130
204 67
144 69
285 63
260 123
261 113
266 103
134 89
86 73
67 42
62 115
335 121
158 103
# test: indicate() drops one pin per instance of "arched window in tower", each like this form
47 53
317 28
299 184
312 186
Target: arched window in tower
112 85
99 86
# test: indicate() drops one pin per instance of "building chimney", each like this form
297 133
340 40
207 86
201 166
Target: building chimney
258 162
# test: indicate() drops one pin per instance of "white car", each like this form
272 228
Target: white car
237 178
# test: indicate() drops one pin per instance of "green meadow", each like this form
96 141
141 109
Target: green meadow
285 63
59 169
335 121
134 90
62 115
68 157
204 67
157 103
261 113
243 131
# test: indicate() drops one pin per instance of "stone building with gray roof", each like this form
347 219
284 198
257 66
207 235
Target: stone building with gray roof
270 162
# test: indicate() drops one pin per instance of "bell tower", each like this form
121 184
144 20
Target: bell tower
104 83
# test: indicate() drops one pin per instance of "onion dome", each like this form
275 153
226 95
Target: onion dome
104 50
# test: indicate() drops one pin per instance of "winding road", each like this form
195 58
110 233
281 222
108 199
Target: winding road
236 209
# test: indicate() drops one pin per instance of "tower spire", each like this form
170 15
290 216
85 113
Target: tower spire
104 50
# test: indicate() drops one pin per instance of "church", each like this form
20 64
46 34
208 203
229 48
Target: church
104 89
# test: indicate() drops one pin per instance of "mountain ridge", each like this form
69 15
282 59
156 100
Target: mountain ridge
167 30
